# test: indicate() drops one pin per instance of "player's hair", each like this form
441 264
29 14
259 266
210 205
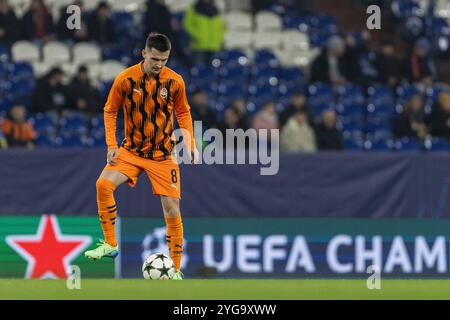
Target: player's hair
158 41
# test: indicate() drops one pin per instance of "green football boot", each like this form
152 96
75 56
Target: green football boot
103 250
178 275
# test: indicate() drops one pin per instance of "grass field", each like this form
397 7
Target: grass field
224 289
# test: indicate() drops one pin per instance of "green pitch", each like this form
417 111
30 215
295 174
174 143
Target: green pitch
224 289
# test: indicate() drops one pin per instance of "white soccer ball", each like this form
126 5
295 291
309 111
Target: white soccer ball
158 266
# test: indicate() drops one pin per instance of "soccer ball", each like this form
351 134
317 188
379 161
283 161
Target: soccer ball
158 266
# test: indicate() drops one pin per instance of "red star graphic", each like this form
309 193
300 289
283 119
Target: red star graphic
49 252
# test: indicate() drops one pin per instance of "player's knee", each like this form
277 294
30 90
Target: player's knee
104 186
172 210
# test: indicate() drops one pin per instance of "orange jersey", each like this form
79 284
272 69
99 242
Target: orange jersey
148 106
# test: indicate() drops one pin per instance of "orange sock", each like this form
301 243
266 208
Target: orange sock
174 239
107 209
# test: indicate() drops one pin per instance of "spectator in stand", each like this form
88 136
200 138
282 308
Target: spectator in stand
50 94
297 135
76 35
328 137
420 65
37 23
85 96
101 26
201 111
331 66
412 121
241 110
206 28
9 24
266 118
17 130
159 19
230 121
440 116
388 65
296 103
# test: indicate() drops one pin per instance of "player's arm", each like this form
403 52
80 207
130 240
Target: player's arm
183 114
113 103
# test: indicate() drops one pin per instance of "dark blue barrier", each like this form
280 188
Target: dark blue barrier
319 185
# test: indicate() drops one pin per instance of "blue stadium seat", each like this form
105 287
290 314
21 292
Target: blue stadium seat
378 145
353 144
380 94
408 144
437 144
234 74
230 59
74 125
321 90
45 141
23 70
203 75
44 124
232 91
4 53
405 8
69 141
405 92
292 21
265 58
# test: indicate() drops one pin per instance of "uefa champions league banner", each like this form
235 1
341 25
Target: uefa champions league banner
45 246
295 248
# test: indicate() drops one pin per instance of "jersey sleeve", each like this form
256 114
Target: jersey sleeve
183 114
113 103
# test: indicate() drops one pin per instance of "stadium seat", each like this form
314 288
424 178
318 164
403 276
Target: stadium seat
437 144
297 58
44 124
109 70
442 8
239 21
378 145
25 51
55 52
85 52
40 68
91 5
238 40
267 40
4 53
267 21
265 59
407 144
73 125
43 141
23 71
126 6
295 40
68 141
179 5
301 23
321 91
380 94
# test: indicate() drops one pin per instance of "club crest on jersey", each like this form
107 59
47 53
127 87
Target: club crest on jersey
163 93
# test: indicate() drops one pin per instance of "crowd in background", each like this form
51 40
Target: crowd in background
342 60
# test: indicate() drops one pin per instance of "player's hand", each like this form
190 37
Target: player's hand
111 157
195 156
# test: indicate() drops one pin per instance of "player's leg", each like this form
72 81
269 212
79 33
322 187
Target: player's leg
174 230
125 170
106 184
165 179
